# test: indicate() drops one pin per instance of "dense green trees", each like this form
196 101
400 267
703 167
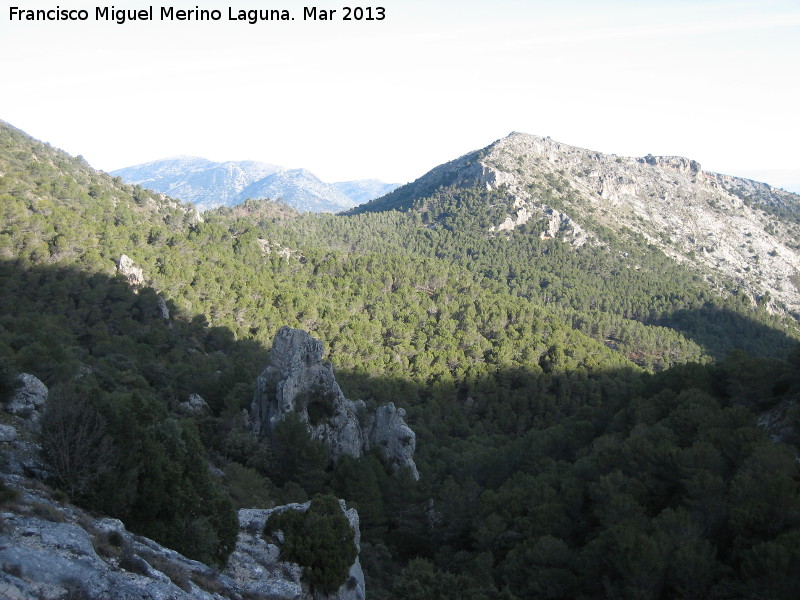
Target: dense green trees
573 441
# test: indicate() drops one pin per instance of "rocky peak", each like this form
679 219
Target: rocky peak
725 227
736 233
296 380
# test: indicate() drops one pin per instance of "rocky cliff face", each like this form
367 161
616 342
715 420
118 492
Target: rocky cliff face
297 381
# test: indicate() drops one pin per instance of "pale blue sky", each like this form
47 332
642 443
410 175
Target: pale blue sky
715 81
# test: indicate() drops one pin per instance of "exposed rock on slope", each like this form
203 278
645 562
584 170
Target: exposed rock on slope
131 271
739 234
49 549
297 381
389 435
258 572
29 398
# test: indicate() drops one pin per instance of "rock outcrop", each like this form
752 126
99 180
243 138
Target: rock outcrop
257 570
297 381
393 440
29 398
50 549
195 405
128 269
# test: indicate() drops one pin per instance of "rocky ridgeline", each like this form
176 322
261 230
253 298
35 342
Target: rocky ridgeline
723 226
695 217
297 381
210 184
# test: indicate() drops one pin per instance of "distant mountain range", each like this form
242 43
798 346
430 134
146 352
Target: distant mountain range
208 184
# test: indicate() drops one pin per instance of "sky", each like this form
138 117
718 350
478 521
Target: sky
716 81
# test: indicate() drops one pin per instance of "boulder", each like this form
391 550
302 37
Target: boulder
194 405
7 433
29 399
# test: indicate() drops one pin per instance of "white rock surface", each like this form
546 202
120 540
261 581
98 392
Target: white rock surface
698 218
29 399
53 550
133 273
297 381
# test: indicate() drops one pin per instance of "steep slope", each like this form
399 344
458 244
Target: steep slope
551 463
209 184
300 189
740 234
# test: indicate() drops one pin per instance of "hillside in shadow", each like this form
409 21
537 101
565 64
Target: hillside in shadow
721 331
538 481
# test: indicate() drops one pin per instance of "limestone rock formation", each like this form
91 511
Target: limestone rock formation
194 405
128 269
50 549
7 433
296 380
394 441
29 399
163 309
727 228
257 570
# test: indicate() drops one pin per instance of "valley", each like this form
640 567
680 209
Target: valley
582 346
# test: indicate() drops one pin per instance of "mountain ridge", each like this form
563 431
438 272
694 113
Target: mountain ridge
584 407
725 224
209 184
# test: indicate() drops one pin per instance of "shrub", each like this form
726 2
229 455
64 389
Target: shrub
7 494
320 540
75 444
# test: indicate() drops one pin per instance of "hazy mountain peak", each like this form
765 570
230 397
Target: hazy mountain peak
210 184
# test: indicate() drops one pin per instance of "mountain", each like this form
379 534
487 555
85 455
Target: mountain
209 184
591 416
742 235
205 183
301 190
364 190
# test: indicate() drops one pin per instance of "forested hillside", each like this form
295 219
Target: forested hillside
586 417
